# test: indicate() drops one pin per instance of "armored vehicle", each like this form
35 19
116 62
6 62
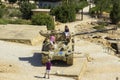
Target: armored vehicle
62 49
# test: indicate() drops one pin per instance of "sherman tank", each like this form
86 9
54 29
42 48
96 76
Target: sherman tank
62 49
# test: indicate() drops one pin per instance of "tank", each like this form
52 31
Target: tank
62 49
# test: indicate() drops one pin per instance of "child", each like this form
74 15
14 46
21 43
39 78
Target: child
52 39
67 32
48 68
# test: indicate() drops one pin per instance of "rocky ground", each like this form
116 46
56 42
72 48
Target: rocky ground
103 64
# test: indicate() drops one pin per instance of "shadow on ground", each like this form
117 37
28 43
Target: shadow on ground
35 60
38 77
59 63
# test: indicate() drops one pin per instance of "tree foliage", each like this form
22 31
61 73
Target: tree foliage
64 13
25 8
12 1
101 6
2 10
14 13
43 19
80 5
115 13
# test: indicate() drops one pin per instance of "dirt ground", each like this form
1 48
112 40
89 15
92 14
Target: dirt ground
19 61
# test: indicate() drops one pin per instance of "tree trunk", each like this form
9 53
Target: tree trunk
81 14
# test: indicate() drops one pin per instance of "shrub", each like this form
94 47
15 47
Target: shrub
1 13
14 21
15 13
2 10
43 19
118 25
100 27
19 21
93 11
3 21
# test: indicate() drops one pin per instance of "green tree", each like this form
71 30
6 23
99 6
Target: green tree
43 19
0 2
102 5
21 1
2 10
12 1
64 13
80 5
115 13
25 8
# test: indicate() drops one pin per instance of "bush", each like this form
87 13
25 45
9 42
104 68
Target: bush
43 19
19 21
15 13
14 21
26 8
3 21
1 13
92 11
100 27
2 10
64 13
118 26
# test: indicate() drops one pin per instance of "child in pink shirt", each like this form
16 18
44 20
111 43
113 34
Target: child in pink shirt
52 39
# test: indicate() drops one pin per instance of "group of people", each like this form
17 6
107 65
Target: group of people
52 41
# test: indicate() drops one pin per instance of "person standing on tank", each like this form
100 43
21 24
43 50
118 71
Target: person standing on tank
67 32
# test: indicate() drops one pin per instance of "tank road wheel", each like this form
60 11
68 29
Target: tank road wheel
44 59
70 59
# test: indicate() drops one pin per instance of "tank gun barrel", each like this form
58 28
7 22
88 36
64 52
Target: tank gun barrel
49 32
95 31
